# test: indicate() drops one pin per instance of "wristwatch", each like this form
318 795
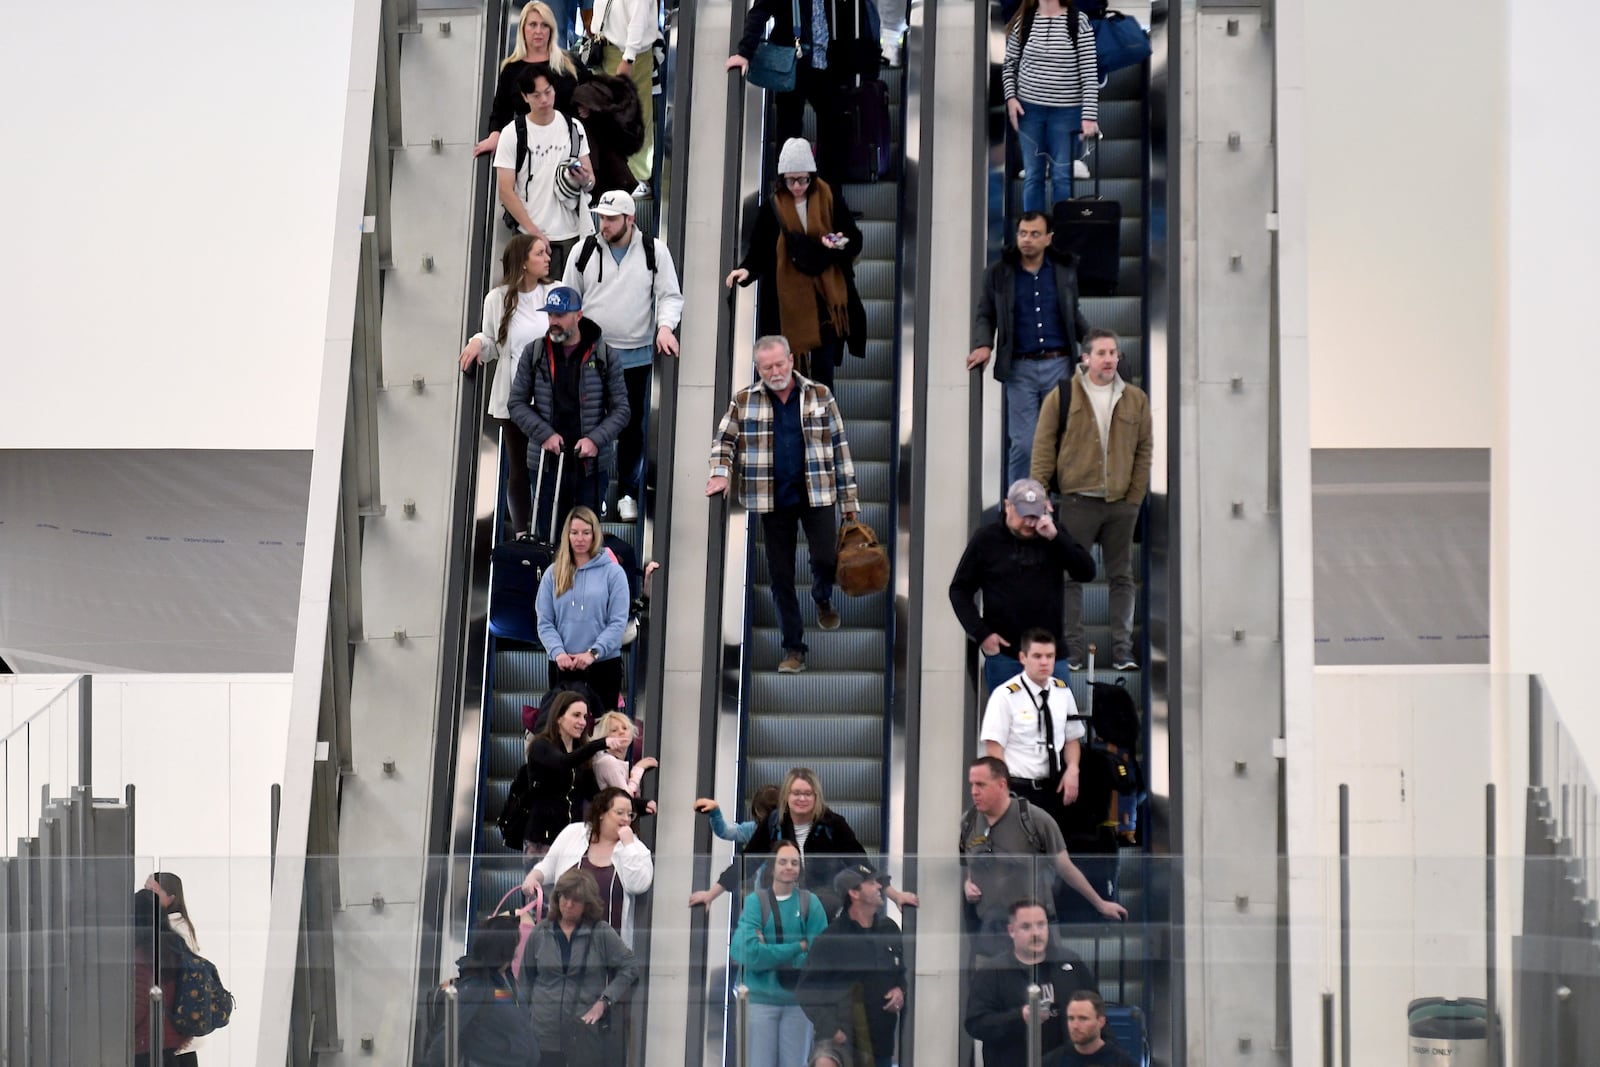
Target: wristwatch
595 652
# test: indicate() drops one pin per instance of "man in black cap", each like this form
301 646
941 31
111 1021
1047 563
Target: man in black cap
569 397
1017 561
854 983
997 998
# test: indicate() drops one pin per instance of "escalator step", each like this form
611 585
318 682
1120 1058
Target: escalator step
1121 117
868 396
820 736
1119 314
837 650
866 820
877 239
869 438
875 278
806 694
875 200
522 669
506 719
506 756
857 612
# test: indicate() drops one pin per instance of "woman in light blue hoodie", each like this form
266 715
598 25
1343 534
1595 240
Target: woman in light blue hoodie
583 608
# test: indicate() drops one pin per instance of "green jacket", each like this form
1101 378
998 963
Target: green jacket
765 956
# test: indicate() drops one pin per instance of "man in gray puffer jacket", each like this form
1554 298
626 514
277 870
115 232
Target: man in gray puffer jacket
569 397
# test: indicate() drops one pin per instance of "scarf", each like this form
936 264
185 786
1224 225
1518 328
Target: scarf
802 298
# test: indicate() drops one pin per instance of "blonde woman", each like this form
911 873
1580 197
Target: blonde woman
537 37
604 845
827 843
583 610
612 771
513 318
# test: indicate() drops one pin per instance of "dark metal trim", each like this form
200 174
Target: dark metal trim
1491 927
86 732
1344 925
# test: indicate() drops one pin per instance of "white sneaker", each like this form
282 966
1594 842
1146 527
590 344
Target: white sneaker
642 191
1080 169
627 509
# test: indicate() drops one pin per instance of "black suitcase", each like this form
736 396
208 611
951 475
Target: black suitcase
1090 228
517 568
866 107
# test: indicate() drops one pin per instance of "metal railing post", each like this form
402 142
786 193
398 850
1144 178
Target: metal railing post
452 1026
1035 1025
86 733
1344 925
156 1031
741 1026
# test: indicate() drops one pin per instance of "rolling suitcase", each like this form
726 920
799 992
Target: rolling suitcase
518 566
866 108
1090 227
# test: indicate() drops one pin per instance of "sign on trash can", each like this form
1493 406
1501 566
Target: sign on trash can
1448 1032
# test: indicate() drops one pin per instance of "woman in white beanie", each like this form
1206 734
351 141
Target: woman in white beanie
803 248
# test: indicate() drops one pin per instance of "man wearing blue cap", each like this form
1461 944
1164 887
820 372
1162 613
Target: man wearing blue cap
569 397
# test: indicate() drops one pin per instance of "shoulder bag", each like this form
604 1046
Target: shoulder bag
774 65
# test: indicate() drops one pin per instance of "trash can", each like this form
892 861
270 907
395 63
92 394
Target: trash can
1448 1032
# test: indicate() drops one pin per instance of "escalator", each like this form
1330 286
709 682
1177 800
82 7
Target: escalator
1122 160
831 717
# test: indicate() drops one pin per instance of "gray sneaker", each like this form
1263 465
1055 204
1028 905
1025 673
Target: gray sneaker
793 662
827 617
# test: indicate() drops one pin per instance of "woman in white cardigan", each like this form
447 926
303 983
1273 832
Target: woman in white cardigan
513 318
605 845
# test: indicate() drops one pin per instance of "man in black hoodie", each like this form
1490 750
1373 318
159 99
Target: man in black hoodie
997 998
853 987
1017 561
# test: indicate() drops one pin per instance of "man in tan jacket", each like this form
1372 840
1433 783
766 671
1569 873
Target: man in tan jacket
1098 458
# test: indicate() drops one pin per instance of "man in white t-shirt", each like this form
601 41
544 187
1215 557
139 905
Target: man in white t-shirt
1030 723
542 187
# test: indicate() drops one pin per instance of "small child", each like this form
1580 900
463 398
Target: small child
762 805
612 770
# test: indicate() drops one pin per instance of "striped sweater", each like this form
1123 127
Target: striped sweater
1049 70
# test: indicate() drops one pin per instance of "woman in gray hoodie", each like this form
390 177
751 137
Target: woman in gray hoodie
583 610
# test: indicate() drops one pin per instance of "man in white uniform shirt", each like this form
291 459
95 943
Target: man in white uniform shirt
1030 724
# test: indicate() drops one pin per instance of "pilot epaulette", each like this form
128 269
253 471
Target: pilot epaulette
1013 687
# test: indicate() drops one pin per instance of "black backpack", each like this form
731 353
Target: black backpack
969 822
513 820
1117 731
521 124
591 243
788 977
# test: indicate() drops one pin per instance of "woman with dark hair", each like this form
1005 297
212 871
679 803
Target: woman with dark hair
826 842
156 954
560 779
168 889
576 969
538 42
494 1027
513 318
803 249
608 107
605 846
583 609
1052 89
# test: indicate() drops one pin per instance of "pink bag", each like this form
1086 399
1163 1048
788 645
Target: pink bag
529 914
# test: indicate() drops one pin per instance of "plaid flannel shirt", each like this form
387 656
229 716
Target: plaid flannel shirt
744 440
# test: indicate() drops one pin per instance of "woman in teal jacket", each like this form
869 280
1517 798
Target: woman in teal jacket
775 932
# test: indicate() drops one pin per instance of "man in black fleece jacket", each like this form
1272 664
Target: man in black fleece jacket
1017 561
997 996
853 988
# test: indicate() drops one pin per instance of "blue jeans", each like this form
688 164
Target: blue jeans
780 1035
998 669
1048 136
1029 383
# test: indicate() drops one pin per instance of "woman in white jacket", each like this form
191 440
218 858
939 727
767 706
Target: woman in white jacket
603 844
513 318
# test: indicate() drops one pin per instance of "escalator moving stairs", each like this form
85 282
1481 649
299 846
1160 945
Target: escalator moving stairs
832 717
519 676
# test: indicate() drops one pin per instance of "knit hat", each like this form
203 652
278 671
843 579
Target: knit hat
796 157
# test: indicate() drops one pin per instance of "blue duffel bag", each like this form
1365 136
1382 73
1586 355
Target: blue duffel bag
1119 41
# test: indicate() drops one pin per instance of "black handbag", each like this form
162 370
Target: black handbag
774 66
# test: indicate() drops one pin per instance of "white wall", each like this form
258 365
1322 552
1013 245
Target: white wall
1417 749
1403 155
203 752
1546 497
169 215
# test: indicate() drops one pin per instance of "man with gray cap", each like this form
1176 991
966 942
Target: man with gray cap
569 397
1017 562
853 987
630 288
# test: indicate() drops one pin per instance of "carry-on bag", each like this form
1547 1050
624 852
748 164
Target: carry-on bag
518 566
863 564
1090 228
866 108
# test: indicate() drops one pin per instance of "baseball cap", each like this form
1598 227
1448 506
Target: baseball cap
1028 498
852 877
562 299
616 202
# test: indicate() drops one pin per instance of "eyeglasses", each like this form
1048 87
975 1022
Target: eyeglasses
795 794
797 179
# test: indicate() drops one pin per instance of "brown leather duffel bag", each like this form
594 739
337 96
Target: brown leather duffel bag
863 565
